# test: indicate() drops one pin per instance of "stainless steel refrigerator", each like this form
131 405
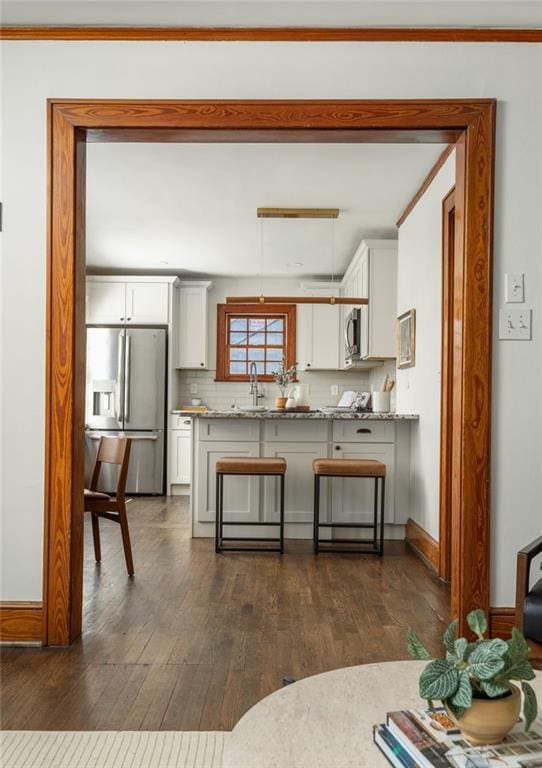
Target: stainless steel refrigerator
126 395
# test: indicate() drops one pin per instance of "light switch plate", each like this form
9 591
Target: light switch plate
514 287
515 324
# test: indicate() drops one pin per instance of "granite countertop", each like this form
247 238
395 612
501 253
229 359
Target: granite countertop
237 414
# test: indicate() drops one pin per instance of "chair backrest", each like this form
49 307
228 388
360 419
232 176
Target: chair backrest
112 450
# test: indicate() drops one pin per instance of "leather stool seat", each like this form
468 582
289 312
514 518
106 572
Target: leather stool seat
349 467
249 466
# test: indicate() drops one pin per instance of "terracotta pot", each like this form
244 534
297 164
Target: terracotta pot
487 721
280 403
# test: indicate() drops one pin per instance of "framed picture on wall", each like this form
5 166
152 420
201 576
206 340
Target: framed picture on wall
406 339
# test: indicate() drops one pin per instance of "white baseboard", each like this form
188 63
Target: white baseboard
179 490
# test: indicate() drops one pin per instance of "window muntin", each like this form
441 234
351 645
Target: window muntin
253 334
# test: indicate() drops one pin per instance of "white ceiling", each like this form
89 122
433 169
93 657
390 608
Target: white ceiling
275 12
192 207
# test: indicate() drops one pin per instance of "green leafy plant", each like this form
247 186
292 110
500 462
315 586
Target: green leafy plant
480 669
284 376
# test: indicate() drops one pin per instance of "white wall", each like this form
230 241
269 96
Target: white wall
225 394
33 71
419 285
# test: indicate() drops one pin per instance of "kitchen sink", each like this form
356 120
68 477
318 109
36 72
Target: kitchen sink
253 408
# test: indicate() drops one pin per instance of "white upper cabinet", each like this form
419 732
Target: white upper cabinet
318 330
193 325
147 303
106 302
372 274
110 300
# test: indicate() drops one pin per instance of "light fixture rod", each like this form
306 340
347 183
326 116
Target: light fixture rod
295 300
298 213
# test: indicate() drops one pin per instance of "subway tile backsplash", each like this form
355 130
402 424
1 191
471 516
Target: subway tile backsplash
221 395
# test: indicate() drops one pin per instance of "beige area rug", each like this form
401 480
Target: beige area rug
108 749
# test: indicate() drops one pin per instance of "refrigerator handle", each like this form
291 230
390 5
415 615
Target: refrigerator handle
119 395
127 380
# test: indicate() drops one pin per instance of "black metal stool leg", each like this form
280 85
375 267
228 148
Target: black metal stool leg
281 514
382 507
316 530
217 514
375 516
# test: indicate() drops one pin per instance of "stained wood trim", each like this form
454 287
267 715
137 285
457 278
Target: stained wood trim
412 118
426 183
277 34
473 120
446 389
501 621
65 369
21 622
223 311
423 544
471 430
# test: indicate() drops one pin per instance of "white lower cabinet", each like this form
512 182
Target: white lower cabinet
241 494
352 499
180 465
299 482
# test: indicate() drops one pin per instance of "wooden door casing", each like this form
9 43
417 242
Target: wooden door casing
469 123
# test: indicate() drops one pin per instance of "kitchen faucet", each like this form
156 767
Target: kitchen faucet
253 378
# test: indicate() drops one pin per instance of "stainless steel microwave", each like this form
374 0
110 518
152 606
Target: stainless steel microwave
352 336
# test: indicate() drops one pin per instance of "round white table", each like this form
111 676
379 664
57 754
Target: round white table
326 721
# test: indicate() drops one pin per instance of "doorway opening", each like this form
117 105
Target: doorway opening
469 125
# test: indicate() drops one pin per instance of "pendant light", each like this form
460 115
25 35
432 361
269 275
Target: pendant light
296 213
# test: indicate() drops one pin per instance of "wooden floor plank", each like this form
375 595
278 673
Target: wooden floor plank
195 639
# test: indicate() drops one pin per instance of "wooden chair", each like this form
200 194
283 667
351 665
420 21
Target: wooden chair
111 450
528 618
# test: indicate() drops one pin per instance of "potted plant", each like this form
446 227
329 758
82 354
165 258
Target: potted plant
474 680
283 378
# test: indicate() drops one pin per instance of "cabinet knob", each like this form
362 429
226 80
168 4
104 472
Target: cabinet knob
187 421
308 365
128 319
337 447
202 364
364 431
122 319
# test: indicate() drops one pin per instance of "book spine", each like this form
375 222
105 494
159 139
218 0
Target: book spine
392 749
429 758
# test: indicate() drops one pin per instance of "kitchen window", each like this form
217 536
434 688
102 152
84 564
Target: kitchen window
252 333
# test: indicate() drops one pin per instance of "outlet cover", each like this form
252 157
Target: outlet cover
193 389
514 287
515 324
334 389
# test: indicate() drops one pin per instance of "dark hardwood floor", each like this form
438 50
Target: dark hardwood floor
195 639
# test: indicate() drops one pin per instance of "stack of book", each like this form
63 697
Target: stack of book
423 738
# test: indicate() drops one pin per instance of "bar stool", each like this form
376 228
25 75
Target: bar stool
362 468
275 467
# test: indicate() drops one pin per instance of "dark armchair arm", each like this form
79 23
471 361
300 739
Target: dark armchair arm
524 558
